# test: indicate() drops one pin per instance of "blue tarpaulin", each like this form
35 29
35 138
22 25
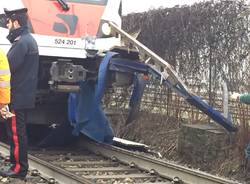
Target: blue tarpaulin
86 115
135 100
84 108
198 102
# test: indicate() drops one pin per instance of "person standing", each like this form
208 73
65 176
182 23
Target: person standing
23 59
243 98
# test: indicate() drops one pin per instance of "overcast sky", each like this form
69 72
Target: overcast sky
130 6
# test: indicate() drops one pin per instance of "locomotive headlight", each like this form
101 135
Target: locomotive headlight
106 29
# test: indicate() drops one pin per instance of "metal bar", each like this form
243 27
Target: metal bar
140 176
66 158
150 54
225 100
113 169
85 163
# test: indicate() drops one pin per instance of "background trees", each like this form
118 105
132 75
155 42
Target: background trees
207 43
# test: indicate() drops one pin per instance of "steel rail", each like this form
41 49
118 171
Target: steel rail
49 170
163 168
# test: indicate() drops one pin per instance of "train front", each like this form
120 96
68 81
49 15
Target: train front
73 37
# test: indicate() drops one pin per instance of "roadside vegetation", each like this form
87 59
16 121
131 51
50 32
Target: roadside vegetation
208 44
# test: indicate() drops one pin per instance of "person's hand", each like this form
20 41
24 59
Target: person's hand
2 105
5 113
235 96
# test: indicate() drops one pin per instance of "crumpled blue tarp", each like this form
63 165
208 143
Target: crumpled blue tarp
135 100
84 108
211 112
85 112
87 116
197 102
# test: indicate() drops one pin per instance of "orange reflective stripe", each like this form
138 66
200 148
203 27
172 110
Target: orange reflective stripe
5 95
4 79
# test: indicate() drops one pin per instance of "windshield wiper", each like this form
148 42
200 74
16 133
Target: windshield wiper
64 5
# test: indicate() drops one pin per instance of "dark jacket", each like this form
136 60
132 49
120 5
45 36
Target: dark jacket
24 61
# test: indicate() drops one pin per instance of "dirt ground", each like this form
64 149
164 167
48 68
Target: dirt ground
161 134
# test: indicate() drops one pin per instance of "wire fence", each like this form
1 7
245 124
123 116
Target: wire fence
162 102
158 99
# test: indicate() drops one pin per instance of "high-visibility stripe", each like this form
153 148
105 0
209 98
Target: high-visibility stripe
4 77
16 143
5 95
4 72
4 84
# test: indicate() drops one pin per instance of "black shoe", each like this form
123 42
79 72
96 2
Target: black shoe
12 174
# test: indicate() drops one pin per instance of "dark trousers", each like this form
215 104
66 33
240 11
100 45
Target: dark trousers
16 129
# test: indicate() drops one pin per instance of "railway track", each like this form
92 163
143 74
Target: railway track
91 162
